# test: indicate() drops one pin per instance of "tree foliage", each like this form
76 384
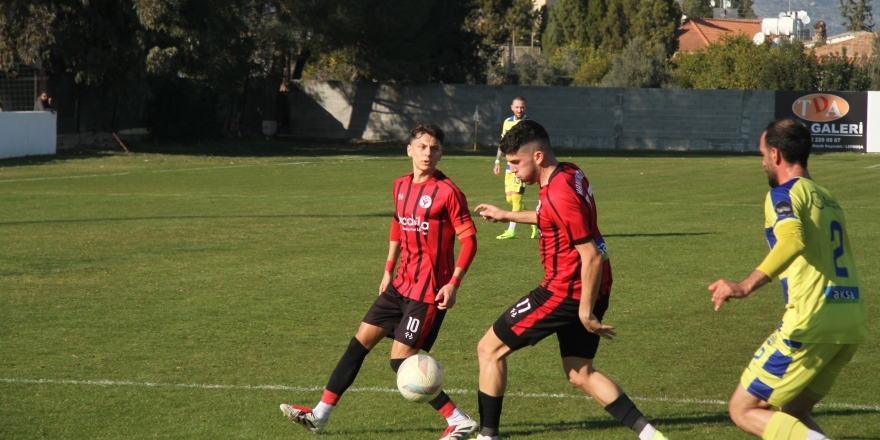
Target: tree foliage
857 15
735 62
638 65
696 8
25 32
838 72
744 8
398 40
874 66
608 25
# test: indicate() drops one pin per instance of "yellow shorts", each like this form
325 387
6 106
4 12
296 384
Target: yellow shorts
512 184
781 369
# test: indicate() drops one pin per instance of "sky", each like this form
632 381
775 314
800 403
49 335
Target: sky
827 10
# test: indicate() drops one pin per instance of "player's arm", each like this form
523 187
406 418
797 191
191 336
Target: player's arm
467 237
497 169
591 279
393 255
493 213
789 245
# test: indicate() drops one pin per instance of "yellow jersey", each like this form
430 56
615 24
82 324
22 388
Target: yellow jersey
820 284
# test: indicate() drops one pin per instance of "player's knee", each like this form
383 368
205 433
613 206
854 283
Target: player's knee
580 378
737 414
395 364
486 350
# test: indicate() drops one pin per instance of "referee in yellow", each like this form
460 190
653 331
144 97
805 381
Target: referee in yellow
824 320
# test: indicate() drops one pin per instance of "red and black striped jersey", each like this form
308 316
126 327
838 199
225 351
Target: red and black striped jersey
427 215
566 217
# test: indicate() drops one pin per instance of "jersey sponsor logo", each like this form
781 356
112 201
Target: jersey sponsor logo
820 107
841 294
413 224
425 202
821 202
784 208
400 197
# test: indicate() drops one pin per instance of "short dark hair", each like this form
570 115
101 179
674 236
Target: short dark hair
524 133
792 138
425 128
518 98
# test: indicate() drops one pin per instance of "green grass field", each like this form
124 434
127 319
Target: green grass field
186 293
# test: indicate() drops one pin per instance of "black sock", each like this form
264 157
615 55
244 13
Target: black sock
490 413
439 401
625 411
347 368
395 364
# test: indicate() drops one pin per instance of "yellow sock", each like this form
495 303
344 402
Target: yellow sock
784 427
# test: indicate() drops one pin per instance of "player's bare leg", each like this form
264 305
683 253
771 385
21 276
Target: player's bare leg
606 392
801 408
748 412
581 374
492 355
754 416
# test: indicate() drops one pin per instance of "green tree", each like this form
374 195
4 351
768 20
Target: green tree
744 8
521 19
874 66
608 25
636 67
25 32
655 23
697 8
839 72
735 62
566 24
614 27
857 15
399 40
788 67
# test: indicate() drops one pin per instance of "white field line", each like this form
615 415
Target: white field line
873 166
63 177
359 159
114 383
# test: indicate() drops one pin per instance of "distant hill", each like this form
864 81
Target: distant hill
827 10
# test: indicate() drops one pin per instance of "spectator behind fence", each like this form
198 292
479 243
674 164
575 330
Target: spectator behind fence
43 103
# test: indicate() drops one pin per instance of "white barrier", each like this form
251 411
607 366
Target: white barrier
27 133
873 141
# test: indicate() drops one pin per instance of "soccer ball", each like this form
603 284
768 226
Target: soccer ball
420 378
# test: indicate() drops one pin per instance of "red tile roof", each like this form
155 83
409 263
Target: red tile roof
857 44
698 33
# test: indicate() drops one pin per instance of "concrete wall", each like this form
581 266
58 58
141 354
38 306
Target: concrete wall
575 117
27 133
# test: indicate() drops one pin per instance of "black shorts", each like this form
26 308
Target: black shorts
540 314
412 322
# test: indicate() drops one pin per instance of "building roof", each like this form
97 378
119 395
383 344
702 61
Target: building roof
857 44
698 33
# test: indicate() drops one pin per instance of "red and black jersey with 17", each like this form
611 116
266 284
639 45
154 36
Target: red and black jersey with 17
566 217
427 214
